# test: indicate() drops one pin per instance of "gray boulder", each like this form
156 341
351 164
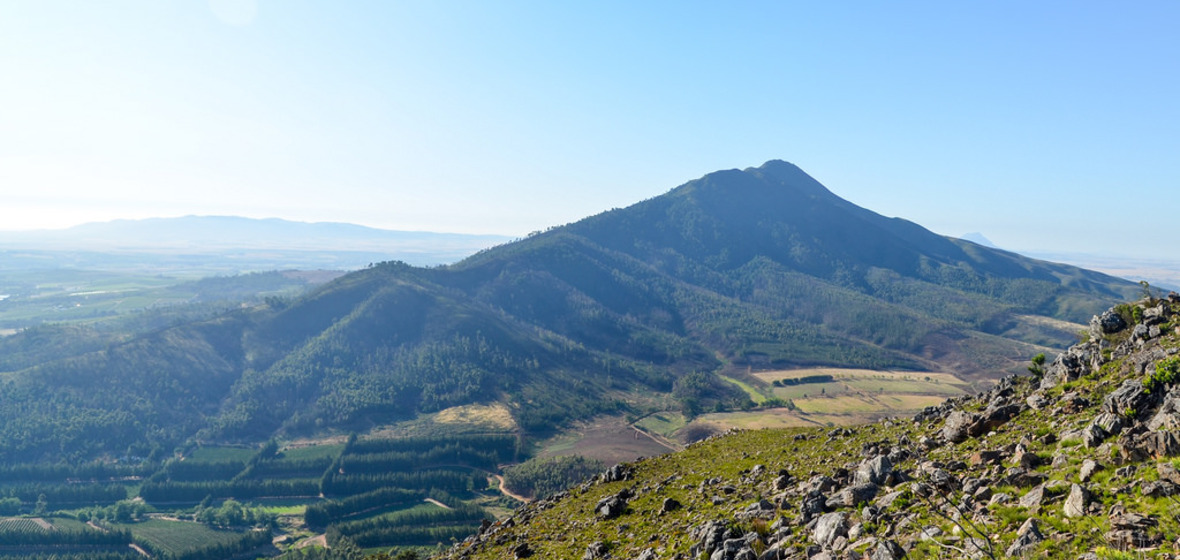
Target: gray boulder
1027 537
1128 400
709 537
829 527
814 503
1110 423
1076 503
615 474
996 415
613 506
1089 467
853 495
1148 445
1034 498
1093 435
1108 322
959 425
596 551
887 550
874 471
1131 530
1168 472
734 549
1159 489
1167 416
1037 401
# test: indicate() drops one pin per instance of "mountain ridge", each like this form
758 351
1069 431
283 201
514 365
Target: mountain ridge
632 309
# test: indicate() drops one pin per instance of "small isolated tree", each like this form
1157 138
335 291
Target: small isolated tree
1147 293
1037 369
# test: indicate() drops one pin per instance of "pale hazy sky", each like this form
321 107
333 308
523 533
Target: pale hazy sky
1043 125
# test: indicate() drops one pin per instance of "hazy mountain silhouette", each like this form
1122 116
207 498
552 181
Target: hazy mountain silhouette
228 243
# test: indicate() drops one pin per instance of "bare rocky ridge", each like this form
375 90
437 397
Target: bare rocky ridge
1075 463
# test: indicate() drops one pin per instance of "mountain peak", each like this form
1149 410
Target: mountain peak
787 173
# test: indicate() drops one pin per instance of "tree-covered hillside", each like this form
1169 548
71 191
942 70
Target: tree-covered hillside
736 271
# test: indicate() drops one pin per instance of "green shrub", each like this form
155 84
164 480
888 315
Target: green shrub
1105 553
1166 372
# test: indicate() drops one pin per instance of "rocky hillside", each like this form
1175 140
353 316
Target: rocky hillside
1074 460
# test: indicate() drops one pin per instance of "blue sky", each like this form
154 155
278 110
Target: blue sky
1050 126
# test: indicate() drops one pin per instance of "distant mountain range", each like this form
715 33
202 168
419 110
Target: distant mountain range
228 241
630 309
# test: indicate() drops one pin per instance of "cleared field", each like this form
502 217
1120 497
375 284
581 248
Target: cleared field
904 386
796 392
874 404
838 396
848 374
178 536
1054 323
496 416
781 418
610 440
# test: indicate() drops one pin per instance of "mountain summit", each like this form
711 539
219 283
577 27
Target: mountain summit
635 309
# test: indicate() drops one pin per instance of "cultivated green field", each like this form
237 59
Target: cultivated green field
178 536
332 450
212 454
753 393
663 423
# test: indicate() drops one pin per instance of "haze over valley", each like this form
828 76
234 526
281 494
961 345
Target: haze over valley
517 279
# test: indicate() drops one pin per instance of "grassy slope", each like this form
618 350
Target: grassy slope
695 477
